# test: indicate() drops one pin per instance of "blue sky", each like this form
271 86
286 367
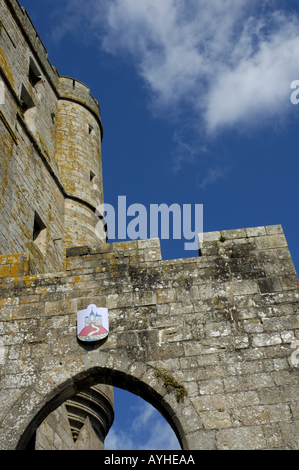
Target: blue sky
195 103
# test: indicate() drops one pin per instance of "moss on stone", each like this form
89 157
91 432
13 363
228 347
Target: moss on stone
172 385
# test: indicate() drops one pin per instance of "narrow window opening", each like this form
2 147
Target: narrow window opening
74 84
92 176
26 100
28 109
90 129
34 74
39 233
53 116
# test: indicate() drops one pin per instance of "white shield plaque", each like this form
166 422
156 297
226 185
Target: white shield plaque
92 323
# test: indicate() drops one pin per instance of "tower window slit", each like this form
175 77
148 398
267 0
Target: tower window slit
34 74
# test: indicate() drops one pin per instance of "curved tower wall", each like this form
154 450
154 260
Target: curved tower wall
78 154
81 423
50 146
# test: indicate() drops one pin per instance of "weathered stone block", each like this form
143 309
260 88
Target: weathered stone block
281 394
233 234
166 296
216 420
266 340
290 434
61 307
271 241
254 416
237 288
77 251
274 229
210 387
234 400
256 232
236 384
251 438
202 440
144 298
273 436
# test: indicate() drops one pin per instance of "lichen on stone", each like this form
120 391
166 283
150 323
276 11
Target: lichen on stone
172 385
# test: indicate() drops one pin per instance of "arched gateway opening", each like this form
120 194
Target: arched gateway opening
138 425
148 386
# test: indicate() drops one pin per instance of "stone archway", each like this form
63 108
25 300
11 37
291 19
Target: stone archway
97 367
227 339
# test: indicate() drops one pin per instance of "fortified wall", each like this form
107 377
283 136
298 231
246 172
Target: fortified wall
50 148
221 325
211 341
51 185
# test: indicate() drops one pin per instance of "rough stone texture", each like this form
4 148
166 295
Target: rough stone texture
207 321
14 265
50 150
55 434
50 161
223 324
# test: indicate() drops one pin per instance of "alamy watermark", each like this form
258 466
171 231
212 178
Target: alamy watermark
295 94
2 94
144 225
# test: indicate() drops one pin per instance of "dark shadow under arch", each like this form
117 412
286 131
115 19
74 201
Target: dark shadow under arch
102 375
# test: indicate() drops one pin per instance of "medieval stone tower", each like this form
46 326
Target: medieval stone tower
51 183
211 342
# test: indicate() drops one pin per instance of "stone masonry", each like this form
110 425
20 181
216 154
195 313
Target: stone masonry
50 150
51 184
212 342
222 325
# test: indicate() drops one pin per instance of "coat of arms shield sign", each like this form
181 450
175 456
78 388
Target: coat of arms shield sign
92 323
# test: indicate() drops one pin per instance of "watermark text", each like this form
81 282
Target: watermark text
295 94
187 222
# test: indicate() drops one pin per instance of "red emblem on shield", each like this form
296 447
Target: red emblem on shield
92 323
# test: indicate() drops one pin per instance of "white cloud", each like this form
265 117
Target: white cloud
258 86
209 65
147 431
213 174
118 440
228 60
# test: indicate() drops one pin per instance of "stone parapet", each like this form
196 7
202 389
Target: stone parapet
224 325
75 90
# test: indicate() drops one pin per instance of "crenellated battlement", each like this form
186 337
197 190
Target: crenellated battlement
71 89
75 90
223 326
51 134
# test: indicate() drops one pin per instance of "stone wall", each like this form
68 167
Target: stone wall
50 163
222 325
55 434
50 150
